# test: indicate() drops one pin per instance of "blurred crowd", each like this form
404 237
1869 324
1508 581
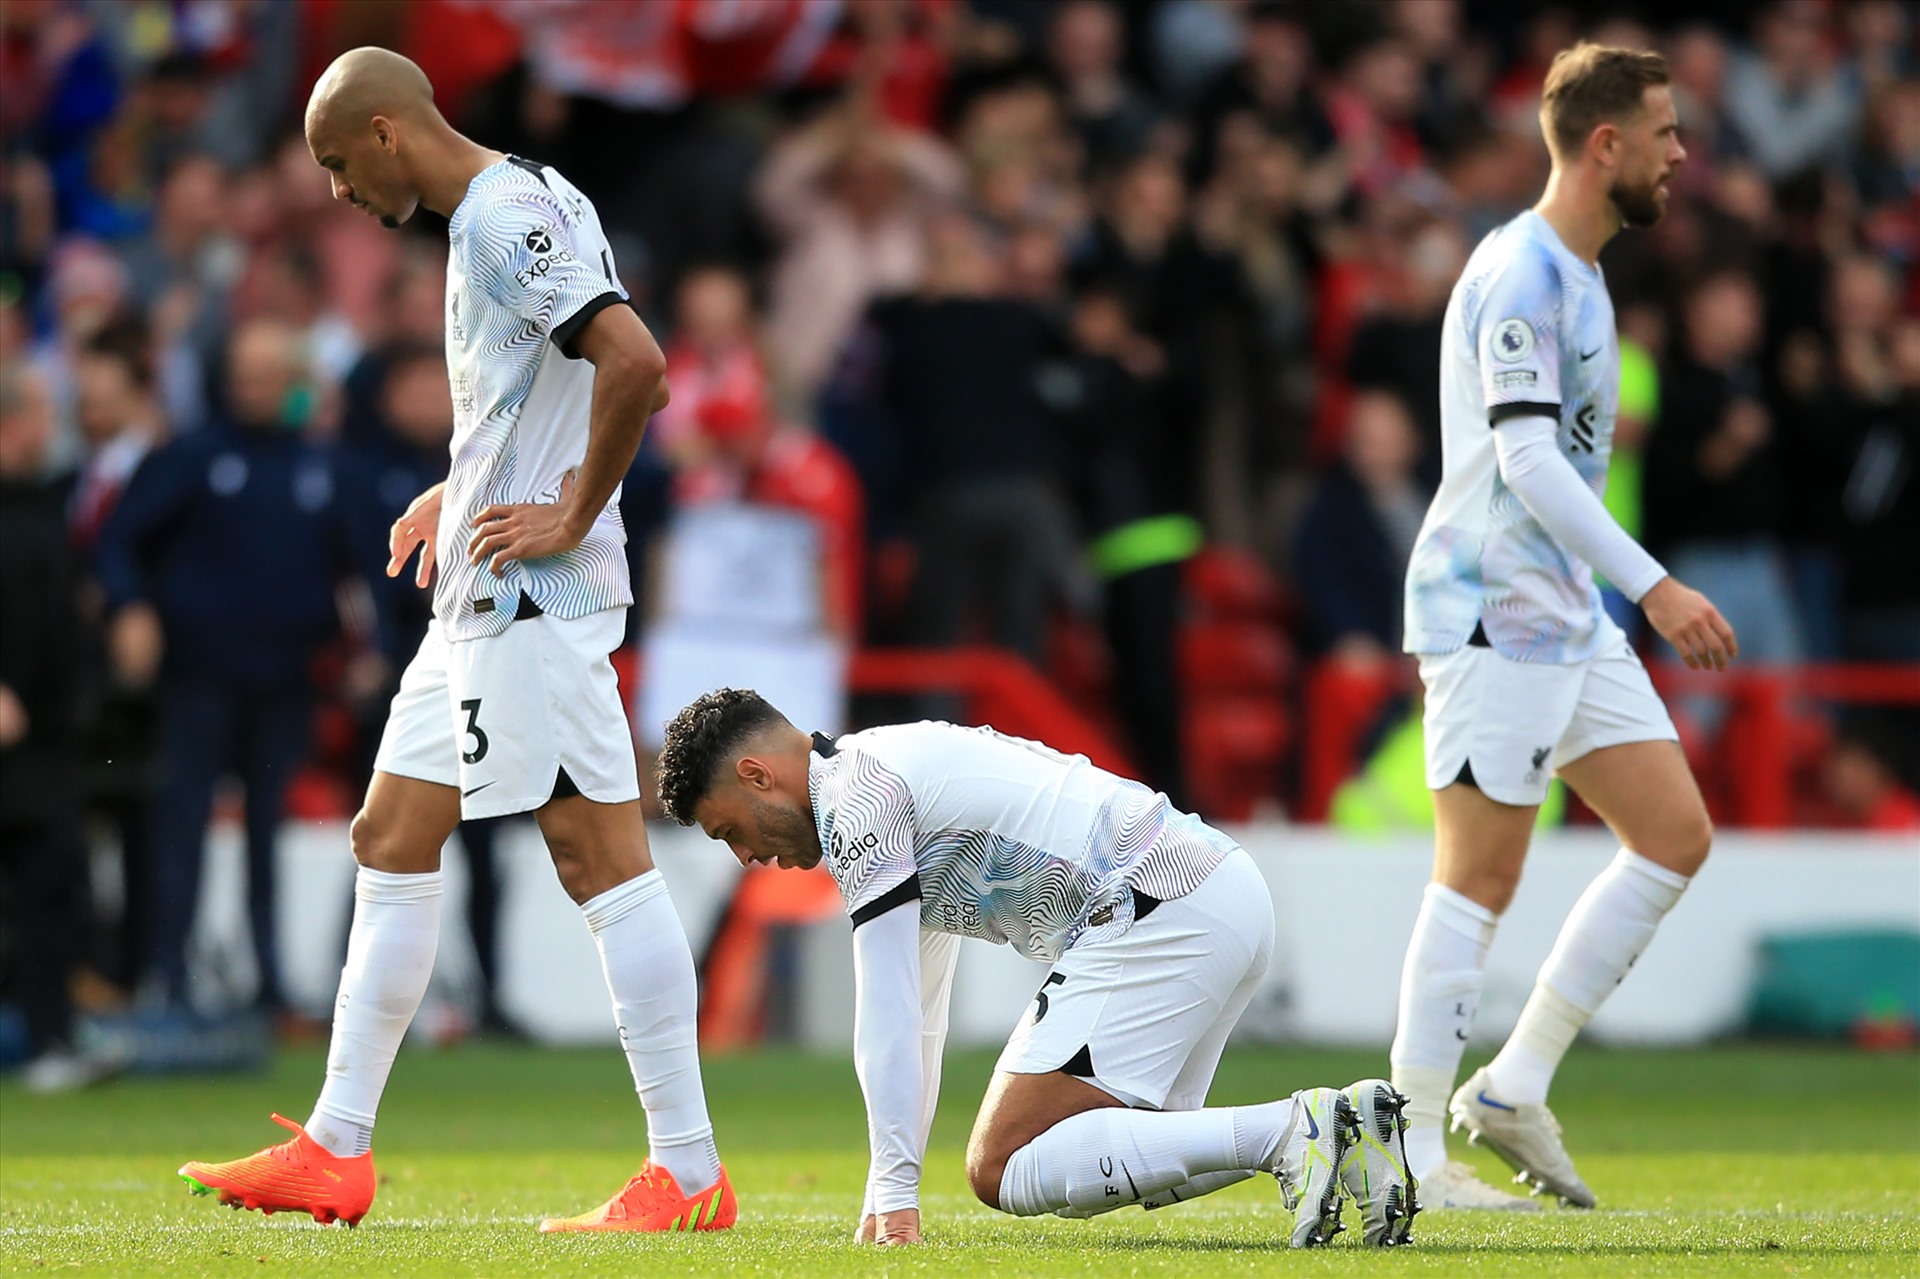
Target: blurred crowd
1013 307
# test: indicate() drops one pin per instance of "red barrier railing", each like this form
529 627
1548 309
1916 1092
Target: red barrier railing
1001 689
1755 742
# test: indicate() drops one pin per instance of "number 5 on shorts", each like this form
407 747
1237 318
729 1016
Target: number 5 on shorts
479 752
1053 979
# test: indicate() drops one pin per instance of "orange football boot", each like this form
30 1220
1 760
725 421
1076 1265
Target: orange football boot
652 1201
300 1175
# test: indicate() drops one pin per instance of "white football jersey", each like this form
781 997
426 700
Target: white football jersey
527 267
1529 332
998 837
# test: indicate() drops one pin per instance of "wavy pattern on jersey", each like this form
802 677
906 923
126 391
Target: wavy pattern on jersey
517 398
858 798
979 883
1482 559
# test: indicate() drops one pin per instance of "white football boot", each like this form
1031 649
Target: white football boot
1318 1136
1453 1185
1375 1169
1527 1136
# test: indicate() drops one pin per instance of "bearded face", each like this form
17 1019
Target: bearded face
1640 203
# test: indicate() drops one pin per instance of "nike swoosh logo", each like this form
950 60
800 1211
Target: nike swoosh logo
1313 1129
1588 355
476 790
1488 1101
1130 1182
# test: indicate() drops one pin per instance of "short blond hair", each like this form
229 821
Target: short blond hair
1593 84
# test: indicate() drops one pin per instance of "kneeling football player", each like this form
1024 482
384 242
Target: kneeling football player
1158 928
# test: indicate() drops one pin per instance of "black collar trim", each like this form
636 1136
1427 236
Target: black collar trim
823 746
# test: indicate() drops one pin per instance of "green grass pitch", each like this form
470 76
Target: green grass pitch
1736 1161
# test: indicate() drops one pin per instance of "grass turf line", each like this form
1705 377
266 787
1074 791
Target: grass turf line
1737 1161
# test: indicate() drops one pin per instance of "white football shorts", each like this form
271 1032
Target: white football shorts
1507 725
1144 1015
503 717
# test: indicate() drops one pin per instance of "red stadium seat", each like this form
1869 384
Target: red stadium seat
1233 657
1225 583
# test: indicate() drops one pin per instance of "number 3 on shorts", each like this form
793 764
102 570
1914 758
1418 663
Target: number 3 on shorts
479 752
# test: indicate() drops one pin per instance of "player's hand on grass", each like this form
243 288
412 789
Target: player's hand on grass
418 526
527 530
1688 620
898 1227
869 1229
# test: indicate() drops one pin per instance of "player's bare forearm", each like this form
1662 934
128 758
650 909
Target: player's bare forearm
629 386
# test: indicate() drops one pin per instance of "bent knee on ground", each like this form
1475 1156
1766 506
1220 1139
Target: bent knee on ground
986 1169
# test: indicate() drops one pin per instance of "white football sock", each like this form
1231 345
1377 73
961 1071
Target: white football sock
1099 1160
390 949
656 1004
1440 983
1608 928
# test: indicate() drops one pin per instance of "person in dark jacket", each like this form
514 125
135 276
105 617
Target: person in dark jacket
1136 497
42 858
1352 546
220 567
994 533
1715 490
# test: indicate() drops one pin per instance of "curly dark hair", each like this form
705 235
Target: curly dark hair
705 732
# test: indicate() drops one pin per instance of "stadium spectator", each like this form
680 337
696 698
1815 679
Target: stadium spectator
86 288
26 224
982 454
118 411
1137 496
759 565
288 285
849 198
412 314
714 357
1788 95
761 560
1085 46
182 272
1880 502
228 620
1350 554
44 859
1272 80
1860 781
1397 348
1714 491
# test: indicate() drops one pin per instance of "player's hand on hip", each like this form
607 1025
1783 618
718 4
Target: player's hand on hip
898 1227
419 526
504 535
1688 620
